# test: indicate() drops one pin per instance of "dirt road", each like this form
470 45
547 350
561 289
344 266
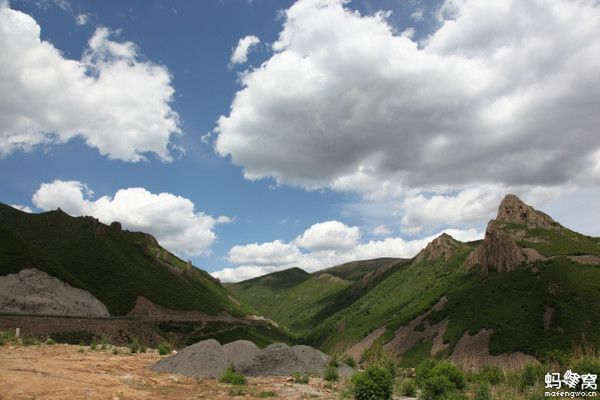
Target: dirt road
64 372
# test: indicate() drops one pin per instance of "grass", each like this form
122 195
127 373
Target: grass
300 377
561 242
267 393
230 376
115 266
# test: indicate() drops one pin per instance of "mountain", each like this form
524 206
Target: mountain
116 266
298 300
529 288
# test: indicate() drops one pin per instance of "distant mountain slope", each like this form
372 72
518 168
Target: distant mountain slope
114 265
532 285
299 300
529 288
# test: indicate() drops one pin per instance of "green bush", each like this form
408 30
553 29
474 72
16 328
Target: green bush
483 392
164 348
232 377
331 373
7 337
267 394
491 374
136 347
587 365
440 380
50 342
408 388
300 377
29 341
530 375
349 361
375 383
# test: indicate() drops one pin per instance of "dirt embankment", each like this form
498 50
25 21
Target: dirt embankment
62 372
420 329
472 352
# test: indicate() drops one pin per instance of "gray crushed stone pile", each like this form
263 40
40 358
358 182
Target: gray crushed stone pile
208 359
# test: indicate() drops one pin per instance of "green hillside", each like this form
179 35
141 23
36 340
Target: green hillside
114 265
520 282
299 300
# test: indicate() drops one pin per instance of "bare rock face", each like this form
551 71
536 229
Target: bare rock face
34 292
441 247
499 251
513 210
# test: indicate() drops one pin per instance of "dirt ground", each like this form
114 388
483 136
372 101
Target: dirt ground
65 372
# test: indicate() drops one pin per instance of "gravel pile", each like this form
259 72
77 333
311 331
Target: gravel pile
208 359
205 359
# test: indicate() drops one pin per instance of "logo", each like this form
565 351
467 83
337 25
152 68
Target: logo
570 382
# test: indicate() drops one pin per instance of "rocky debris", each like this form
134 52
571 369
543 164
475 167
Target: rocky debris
586 259
548 318
472 353
208 359
513 210
499 251
419 329
33 292
441 247
359 348
532 255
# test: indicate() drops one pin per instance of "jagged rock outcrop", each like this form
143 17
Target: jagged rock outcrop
34 292
441 247
513 210
500 250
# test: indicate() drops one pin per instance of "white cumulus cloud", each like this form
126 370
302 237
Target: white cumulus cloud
258 259
172 219
113 99
329 235
240 53
503 95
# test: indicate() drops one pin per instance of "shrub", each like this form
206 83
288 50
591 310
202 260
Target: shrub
331 373
115 351
587 365
530 375
408 388
349 361
440 380
164 348
136 347
29 341
483 392
557 357
50 342
300 377
491 374
232 377
93 346
374 383
267 394
7 337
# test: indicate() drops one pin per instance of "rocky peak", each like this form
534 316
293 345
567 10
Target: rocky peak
500 250
513 210
441 247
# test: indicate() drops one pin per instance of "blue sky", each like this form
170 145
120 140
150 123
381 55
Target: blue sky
391 154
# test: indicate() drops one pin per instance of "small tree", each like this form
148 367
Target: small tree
374 383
